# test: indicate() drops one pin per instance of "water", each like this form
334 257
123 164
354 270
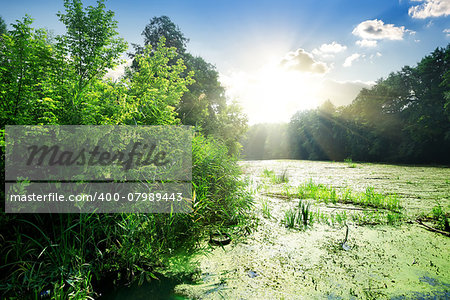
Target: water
161 289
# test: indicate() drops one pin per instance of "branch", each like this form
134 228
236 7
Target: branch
433 229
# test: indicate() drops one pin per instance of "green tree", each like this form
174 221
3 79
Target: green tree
156 89
204 105
3 27
89 48
26 69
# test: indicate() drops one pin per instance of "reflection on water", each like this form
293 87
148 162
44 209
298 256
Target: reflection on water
161 289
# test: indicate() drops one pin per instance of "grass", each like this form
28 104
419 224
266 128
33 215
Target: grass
68 256
266 209
276 178
327 194
377 217
441 218
304 216
300 217
290 217
350 163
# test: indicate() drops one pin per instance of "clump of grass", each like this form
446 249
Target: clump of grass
64 255
268 173
393 218
372 199
305 215
266 209
350 163
283 177
326 194
276 179
341 218
289 218
300 217
441 218
377 217
311 190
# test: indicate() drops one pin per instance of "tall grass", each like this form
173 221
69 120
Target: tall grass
300 217
283 177
326 194
266 209
68 255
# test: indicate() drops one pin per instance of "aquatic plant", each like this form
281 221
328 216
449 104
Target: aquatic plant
266 209
350 162
289 218
276 179
304 216
441 218
268 173
326 194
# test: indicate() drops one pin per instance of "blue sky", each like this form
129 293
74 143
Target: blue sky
289 55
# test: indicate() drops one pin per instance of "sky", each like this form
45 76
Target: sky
279 57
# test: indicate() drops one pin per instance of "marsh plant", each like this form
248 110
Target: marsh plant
441 218
305 215
65 255
290 217
268 173
266 209
327 194
350 162
300 217
276 178
283 177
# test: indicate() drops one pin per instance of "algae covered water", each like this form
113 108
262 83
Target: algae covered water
387 255
161 289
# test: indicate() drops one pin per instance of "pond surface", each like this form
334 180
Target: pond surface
402 261
162 289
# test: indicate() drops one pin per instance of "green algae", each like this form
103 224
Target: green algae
383 261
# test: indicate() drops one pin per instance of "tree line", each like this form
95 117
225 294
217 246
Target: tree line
404 118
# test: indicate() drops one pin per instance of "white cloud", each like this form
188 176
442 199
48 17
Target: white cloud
447 32
377 30
431 8
332 48
367 43
349 60
303 61
372 56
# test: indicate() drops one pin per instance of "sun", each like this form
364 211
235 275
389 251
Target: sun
274 94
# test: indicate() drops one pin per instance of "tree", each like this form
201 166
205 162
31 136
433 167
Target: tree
402 118
156 89
26 69
204 105
3 27
90 47
163 26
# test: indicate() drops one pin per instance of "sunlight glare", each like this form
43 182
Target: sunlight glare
274 94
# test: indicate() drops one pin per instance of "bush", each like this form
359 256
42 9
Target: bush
67 254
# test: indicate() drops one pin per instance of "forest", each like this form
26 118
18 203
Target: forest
48 79
404 118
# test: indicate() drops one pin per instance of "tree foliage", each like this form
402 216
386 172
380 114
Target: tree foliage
204 104
3 27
